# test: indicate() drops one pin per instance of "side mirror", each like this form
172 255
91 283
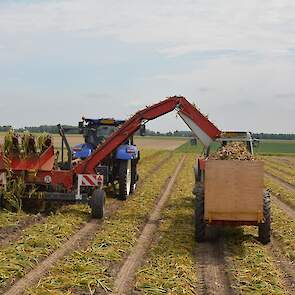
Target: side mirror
142 130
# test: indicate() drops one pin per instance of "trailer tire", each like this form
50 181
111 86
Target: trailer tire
124 179
97 204
264 229
200 224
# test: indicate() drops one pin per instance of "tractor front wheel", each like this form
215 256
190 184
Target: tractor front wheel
264 229
134 176
97 204
125 179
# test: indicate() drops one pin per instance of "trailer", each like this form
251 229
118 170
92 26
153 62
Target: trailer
84 181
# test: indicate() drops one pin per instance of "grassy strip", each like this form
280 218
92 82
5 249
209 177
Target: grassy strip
280 166
287 196
91 269
8 218
252 267
39 241
273 171
284 231
170 265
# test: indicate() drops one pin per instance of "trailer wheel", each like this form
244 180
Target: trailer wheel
264 229
200 224
124 179
97 204
134 176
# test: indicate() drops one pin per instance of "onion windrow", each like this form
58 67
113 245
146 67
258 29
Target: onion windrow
251 266
279 166
283 228
8 219
149 153
282 175
170 266
38 241
284 194
94 268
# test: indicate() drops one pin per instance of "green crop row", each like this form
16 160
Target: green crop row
251 266
8 218
280 166
39 240
92 269
170 266
285 177
287 196
284 231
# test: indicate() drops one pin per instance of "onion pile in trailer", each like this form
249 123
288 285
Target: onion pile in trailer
232 151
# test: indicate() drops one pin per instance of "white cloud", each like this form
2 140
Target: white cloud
240 52
178 27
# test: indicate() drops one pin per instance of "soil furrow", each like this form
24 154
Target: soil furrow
72 244
286 208
125 276
281 181
286 267
211 265
80 240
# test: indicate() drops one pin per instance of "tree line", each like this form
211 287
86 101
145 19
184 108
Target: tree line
74 130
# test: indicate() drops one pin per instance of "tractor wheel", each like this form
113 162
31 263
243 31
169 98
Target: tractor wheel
200 224
124 179
264 229
134 176
97 204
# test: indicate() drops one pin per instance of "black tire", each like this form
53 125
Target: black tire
134 176
124 179
97 204
264 229
200 224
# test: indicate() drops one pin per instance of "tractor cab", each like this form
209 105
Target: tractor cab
94 131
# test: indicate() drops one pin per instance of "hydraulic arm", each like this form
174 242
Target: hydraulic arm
205 130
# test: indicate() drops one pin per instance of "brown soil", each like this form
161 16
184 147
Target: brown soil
159 143
211 265
286 267
123 282
142 142
12 233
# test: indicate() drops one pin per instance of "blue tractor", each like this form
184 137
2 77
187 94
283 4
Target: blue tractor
120 168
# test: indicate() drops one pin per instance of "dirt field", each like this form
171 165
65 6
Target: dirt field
146 244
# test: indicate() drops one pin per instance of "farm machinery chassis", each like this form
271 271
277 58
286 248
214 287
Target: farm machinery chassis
84 181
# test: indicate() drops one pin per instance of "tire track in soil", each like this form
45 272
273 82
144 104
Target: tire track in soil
125 277
80 240
12 233
212 266
282 182
286 267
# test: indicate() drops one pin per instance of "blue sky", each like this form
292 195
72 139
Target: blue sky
63 59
